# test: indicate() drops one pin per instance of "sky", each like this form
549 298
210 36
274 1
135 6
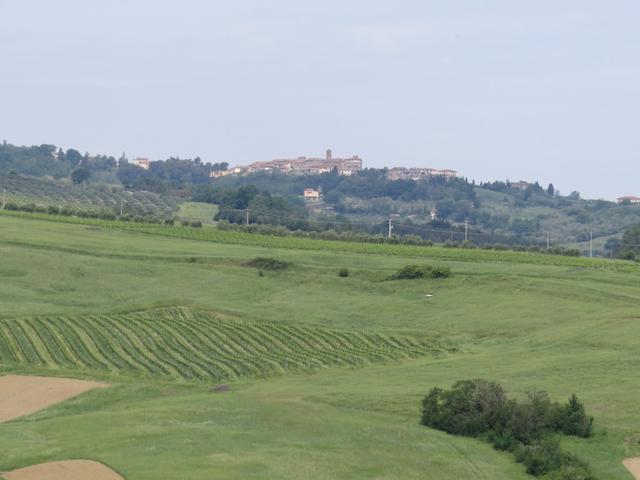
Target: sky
541 90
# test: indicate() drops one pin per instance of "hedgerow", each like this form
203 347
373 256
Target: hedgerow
412 272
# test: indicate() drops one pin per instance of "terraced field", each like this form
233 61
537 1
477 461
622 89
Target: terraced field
189 345
23 190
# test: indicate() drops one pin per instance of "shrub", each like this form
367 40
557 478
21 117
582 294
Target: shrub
478 408
185 223
470 408
196 224
542 457
11 206
440 272
574 420
266 263
412 272
343 272
571 472
53 210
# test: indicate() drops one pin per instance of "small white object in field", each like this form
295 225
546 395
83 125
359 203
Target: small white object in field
428 295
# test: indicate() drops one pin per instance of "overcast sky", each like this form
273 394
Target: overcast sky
544 90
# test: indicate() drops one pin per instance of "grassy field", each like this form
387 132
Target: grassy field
148 312
203 212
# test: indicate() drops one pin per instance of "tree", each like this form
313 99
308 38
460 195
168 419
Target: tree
74 157
551 189
574 420
80 175
629 248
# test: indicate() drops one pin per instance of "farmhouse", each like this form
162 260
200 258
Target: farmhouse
311 194
219 173
142 163
419 173
520 185
628 199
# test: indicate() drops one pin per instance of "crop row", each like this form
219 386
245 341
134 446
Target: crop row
195 346
24 190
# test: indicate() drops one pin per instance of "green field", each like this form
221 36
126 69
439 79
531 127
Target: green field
201 211
325 373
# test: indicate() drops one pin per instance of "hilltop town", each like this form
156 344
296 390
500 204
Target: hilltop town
318 165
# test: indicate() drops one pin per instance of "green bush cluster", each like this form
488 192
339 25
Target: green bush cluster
479 408
267 263
412 272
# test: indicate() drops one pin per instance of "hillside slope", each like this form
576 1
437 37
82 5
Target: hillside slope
557 327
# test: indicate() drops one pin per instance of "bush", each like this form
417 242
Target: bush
542 457
343 272
478 408
266 263
412 272
196 224
574 420
470 408
571 472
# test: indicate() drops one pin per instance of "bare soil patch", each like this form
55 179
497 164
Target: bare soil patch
22 395
633 465
67 470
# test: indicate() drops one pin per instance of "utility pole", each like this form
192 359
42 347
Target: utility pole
4 198
591 244
390 228
121 207
466 229
247 219
548 241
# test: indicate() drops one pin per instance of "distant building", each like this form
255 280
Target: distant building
142 163
219 173
629 199
433 213
419 173
311 194
308 166
520 185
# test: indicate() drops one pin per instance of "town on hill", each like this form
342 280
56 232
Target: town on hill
328 193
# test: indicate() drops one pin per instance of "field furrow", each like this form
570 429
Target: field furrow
177 343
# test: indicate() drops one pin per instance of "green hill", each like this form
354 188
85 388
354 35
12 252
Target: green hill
439 210
22 190
166 319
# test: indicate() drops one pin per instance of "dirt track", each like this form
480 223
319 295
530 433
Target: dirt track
633 465
68 470
22 395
